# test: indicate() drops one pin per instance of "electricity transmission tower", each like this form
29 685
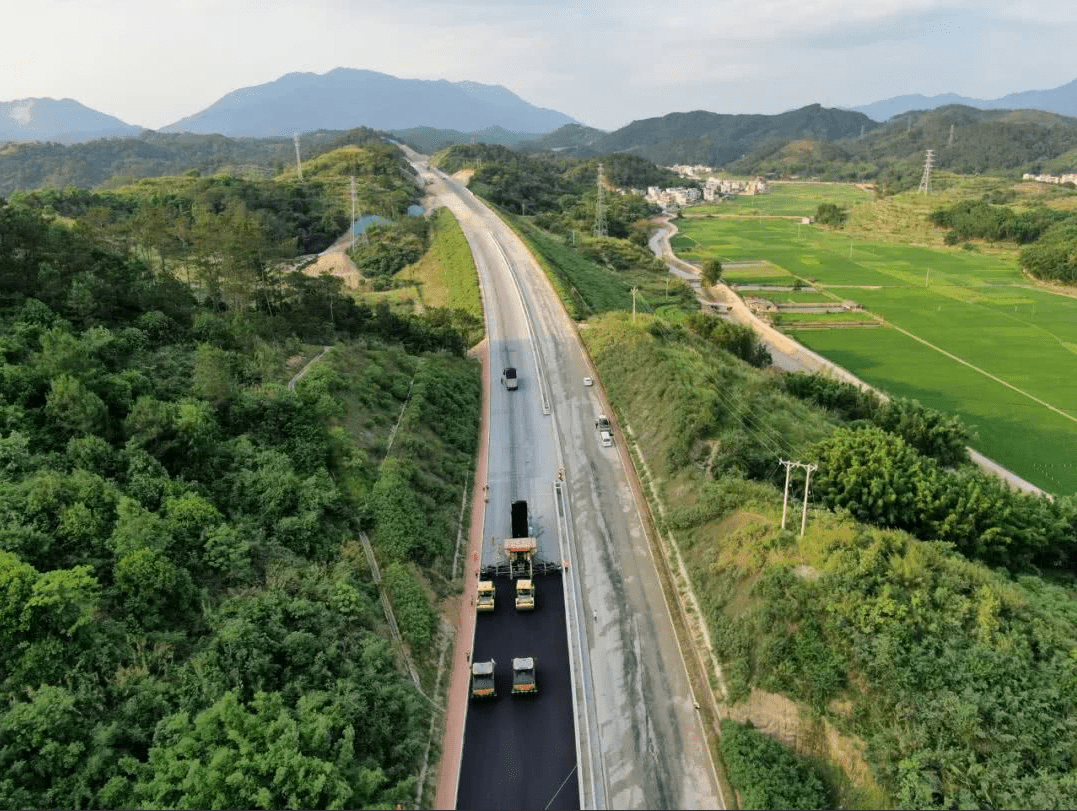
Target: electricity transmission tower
808 468
951 141
353 212
600 208
298 163
925 181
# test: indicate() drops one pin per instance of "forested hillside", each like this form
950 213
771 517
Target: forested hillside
187 617
116 161
983 141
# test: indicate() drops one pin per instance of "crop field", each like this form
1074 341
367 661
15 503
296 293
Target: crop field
968 333
787 199
790 319
802 297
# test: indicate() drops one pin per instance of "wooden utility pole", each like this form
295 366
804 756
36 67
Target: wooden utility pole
808 467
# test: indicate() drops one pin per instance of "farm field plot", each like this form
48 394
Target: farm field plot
976 308
1027 438
805 297
788 199
789 318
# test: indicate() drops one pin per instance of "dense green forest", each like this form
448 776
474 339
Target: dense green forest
187 617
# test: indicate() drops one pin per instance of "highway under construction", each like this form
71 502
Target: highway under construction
519 751
613 722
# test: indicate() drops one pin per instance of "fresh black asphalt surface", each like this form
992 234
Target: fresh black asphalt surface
520 752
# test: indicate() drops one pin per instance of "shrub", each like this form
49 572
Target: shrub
766 774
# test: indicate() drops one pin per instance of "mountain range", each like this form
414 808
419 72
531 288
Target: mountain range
345 98
713 139
1061 100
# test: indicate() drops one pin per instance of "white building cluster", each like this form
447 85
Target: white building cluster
714 188
669 198
698 172
1067 178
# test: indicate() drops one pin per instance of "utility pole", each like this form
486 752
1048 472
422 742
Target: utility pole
808 467
634 304
804 513
353 213
951 141
298 162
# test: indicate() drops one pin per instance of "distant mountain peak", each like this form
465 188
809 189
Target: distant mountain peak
1061 100
344 98
62 120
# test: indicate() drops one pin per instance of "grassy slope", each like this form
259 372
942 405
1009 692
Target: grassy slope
446 275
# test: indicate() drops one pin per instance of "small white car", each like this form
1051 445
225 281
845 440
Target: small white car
606 438
588 381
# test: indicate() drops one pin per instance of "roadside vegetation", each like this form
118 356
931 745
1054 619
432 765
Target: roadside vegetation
187 614
441 283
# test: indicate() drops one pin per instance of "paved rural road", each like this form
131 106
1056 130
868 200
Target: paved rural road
647 745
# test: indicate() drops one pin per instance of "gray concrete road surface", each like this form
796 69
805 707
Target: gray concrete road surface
640 739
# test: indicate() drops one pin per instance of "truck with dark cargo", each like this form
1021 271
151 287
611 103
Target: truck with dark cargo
508 378
521 527
520 549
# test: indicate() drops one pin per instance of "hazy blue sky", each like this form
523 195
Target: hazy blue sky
152 63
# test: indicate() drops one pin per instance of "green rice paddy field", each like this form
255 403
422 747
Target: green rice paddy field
986 325
787 199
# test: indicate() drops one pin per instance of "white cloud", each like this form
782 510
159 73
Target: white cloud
22 113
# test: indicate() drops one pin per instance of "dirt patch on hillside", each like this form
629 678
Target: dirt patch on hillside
337 264
781 718
464 175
